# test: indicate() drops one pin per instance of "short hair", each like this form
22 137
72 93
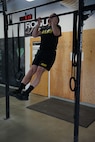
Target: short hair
55 15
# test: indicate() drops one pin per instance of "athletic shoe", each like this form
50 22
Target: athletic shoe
19 95
14 93
22 96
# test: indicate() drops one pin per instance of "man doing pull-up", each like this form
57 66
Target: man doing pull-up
45 56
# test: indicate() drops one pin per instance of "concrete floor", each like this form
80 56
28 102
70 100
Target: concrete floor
26 125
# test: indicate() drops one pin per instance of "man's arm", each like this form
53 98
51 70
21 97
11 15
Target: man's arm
55 28
36 31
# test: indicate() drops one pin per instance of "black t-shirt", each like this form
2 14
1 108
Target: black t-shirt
48 40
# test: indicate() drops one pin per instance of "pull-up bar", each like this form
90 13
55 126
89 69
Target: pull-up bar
78 77
4 6
85 8
41 18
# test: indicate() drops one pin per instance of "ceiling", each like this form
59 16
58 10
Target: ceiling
74 3
14 5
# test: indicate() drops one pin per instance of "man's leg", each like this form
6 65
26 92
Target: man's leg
24 95
29 75
25 80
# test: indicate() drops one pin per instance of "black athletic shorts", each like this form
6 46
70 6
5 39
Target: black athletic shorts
44 58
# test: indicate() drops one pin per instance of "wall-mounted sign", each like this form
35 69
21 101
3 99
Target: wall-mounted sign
29 26
26 17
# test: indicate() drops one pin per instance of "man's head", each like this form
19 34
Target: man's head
54 15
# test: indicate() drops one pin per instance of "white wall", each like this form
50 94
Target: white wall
27 54
90 23
1 26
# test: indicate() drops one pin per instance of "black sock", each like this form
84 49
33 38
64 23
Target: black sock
22 86
29 89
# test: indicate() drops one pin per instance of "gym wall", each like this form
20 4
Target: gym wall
62 69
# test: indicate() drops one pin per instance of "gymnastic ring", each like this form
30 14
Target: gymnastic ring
74 62
70 82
